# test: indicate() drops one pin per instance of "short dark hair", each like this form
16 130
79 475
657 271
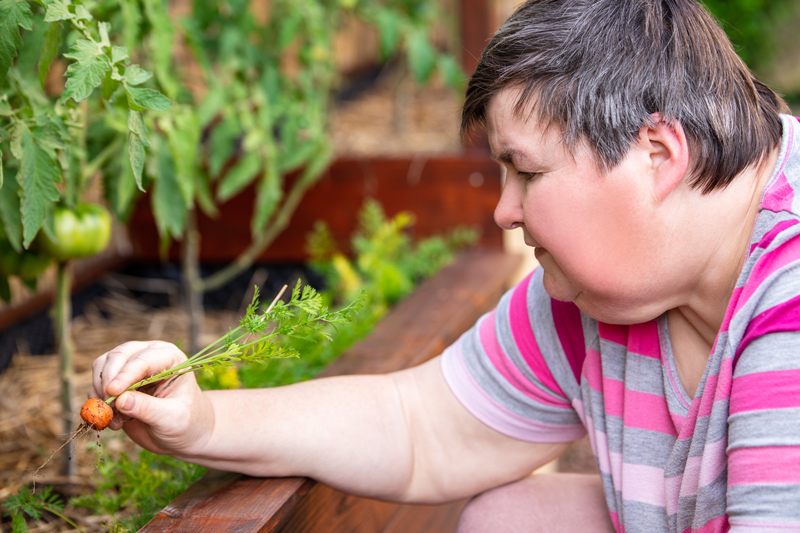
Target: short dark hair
600 70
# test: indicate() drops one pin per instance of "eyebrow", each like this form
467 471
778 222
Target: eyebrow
506 156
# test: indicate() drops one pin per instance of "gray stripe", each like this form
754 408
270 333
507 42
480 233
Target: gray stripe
779 502
776 427
644 518
493 383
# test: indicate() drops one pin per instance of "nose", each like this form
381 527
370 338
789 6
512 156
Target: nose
508 213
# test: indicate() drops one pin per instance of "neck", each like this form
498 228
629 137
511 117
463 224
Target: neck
728 221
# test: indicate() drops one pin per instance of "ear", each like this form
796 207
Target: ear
668 152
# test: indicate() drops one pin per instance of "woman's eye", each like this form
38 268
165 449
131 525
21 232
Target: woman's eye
527 175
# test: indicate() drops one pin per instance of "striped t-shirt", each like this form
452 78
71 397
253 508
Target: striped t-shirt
540 370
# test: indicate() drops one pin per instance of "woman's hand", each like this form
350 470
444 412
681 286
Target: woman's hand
177 422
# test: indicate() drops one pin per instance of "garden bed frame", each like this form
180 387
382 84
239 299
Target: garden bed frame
417 329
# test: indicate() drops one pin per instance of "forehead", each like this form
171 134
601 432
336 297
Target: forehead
519 133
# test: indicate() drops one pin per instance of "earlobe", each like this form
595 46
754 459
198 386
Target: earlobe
668 150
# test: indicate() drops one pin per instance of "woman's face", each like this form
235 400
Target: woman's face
597 234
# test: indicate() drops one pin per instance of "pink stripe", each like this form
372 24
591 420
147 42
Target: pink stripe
707 400
780 318
717 525
767 265
614 397
779 197
715 460
702 470
567 321
593 371
643 339
647 411
774 464
494 415
768 237
765 390
613 333
507 369
645 484
619 528
524 339
775 196
672 488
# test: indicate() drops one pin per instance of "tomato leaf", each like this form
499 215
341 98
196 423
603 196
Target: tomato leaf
168 206
183 137
14 14
121 184
9 212
39 173
52 40
137 141
239 177
57 10
141 98
162 35
136 75
88 71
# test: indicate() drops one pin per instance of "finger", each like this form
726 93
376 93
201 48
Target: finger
157 413
97 377
111 362
127 366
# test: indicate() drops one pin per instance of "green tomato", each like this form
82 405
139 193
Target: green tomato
81 232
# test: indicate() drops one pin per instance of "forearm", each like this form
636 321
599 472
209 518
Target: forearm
349 432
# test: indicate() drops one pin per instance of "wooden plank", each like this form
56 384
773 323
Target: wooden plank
417 329
441 193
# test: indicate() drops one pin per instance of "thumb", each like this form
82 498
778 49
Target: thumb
139 406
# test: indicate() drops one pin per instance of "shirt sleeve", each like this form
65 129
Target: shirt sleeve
764 408
509 369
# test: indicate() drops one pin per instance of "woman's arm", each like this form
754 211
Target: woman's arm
400 436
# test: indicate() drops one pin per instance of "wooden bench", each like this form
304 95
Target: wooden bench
417 329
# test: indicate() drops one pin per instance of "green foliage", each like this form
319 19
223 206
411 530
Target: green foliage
750 26
139 487
265 335
256 109
387 263
34 505
387 266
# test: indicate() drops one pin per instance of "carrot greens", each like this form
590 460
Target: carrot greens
256 338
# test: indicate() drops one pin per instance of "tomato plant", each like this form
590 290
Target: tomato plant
78 232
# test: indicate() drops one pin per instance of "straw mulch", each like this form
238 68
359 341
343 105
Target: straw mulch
30 411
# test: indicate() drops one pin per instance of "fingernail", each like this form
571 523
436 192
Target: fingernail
127 404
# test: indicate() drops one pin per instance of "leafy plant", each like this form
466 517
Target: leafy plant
388 264
255 340
138 488
34 505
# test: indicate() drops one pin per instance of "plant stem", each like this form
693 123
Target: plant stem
190 264
62 312
257 247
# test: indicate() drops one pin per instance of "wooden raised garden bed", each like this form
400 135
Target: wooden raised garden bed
419 328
